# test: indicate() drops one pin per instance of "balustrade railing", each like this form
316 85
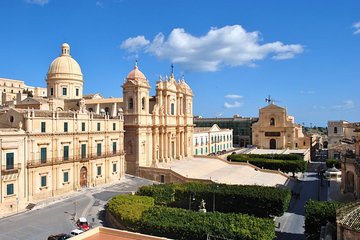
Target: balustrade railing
10 169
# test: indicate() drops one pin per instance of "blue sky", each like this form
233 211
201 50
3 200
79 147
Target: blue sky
305 54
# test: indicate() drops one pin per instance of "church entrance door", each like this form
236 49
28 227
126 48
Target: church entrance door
83 177
272 144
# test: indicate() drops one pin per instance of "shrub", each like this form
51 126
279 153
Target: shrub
254 200
275 156
317 214
178 223
128 209
333 162
287 166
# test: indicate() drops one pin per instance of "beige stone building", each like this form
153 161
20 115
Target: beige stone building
212 140
277 130
13 91
350 165
340 138
59 143
51 146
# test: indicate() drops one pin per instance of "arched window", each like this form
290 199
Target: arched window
335 130
172 109
143 103
131 103
272 122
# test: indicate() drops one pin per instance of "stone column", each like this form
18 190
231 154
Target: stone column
114 109
97 108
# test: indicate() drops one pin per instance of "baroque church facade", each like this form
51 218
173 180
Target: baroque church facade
67 140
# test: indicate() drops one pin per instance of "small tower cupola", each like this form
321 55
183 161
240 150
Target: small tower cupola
65 49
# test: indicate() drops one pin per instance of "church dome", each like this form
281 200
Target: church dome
136 74
64 66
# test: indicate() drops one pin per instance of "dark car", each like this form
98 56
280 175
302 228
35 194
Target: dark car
61 236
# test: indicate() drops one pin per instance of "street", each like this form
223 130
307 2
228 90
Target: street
59 216
308 187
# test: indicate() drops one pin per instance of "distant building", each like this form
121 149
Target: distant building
241 127
277 130
350 165
13 91
340 138
212 139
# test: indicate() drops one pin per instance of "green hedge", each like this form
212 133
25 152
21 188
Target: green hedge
254 200
317 214
178 223
286 166
333 162
128 209
272 156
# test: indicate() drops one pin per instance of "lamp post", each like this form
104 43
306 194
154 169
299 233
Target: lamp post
191 198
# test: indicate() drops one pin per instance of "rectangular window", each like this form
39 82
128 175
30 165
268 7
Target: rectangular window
43 181
83 151
172 109
64 91
99 170
10 189
9 161
77 92
98 149
66 177
66 153
65 126
114 147
162 178
114 126
114 167
43 127
43 155
98 126
51 91
83 126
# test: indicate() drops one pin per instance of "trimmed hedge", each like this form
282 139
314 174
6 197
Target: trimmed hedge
333 162
317 214
287 166
178 223
273 156
254 200
128 209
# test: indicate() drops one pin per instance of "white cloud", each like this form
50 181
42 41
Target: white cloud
227 46
37 2
357 27
134 44
347 104
235 104
344 105
233 96
99 4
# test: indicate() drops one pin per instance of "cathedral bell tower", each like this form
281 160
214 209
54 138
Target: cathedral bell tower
138 122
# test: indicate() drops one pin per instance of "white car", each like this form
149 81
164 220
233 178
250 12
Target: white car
76 232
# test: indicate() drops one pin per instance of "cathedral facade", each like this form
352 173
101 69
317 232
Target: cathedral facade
158 128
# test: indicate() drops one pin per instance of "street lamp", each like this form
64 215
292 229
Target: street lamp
191 198
217 186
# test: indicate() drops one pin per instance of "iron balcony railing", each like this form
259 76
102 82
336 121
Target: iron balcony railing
74 158
10 169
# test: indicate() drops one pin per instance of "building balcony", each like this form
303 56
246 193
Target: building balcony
71 159
10 169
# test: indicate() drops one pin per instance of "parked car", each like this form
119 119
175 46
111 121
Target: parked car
76 232
82 224
61 236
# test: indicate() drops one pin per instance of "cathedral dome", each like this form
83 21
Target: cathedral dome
136 74
64 66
